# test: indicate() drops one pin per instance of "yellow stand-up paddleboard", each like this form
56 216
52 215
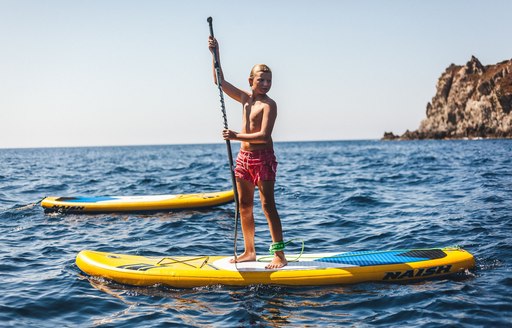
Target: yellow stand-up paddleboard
136 203
308 270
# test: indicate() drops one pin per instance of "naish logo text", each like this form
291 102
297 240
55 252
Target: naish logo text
66 208
415 273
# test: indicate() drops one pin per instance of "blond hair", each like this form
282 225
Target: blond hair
259 68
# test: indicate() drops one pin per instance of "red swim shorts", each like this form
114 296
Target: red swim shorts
256 165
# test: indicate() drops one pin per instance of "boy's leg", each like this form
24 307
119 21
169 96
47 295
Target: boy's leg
268 204
246 203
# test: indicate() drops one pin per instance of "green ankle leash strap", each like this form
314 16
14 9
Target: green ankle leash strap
277 247
280 246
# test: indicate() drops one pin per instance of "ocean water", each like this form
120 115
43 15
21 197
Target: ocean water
336 196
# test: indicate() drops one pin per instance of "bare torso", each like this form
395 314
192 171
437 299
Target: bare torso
252 118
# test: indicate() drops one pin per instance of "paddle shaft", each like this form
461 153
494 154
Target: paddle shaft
216 65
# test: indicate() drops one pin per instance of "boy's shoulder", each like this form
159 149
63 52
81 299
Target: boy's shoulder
271 102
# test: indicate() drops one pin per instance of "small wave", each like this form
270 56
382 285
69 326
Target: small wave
485 264
52 188
491 175
119 170
362 200
424 159
494 199
148 181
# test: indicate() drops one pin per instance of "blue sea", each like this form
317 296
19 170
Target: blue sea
335 196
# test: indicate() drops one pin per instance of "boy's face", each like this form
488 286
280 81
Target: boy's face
261 82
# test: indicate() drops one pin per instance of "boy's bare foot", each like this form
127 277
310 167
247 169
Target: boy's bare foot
278 261
245 257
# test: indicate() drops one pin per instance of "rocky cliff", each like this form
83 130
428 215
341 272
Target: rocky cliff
472 101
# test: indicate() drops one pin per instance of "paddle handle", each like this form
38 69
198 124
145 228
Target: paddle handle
228 143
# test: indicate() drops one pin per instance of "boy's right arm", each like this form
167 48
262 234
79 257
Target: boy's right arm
228 88
234 92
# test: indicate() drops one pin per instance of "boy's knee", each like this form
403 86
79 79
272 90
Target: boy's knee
268 206
249 204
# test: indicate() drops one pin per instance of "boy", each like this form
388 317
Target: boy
256 163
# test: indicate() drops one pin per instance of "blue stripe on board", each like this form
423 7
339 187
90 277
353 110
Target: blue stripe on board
372 258
85 199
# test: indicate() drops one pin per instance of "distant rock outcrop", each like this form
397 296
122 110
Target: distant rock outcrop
472 101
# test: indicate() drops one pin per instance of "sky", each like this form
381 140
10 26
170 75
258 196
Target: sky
123 72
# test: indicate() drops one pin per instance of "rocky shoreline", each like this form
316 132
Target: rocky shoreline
471 102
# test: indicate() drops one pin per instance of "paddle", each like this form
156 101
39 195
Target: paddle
228 143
